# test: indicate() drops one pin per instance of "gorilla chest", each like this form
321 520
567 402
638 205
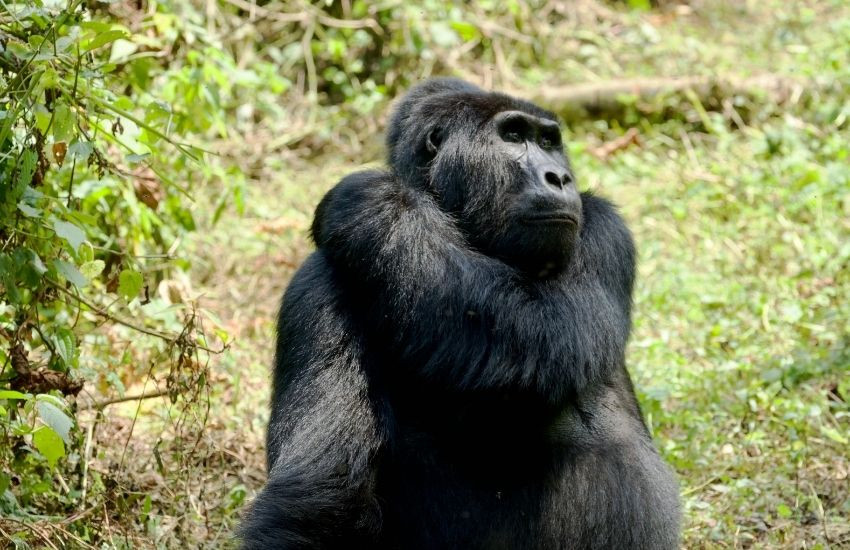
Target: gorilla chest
503 471
509 434
595 498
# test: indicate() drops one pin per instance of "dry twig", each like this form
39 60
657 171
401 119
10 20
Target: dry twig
631 137
136 397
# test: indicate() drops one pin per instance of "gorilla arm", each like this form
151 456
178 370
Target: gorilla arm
323 432
468 319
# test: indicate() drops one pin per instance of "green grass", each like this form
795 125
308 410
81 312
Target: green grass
741 326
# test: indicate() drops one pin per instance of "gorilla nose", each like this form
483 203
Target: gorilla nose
556 177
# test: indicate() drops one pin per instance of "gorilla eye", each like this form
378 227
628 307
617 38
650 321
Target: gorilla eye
550 140
514 129
433 140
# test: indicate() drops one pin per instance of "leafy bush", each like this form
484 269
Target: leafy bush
96 195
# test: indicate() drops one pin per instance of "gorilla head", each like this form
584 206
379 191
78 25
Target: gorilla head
497 165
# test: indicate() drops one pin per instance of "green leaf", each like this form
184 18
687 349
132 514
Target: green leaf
105 38
28 210
640 5
49 444
37 264
98 26
26 168
42 118
92 269
56 401
9 279
834 435
122 49
135 159
70 232
19 50
64 42
56 418
784 511
85 254
27 268
130 283
63 123
12 394
65 345
70 273
467 31
31 195
80 150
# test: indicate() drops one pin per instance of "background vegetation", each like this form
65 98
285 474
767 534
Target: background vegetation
160 161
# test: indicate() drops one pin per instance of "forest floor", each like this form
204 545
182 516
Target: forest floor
742 319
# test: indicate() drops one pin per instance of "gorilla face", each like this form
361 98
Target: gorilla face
510 187
543 210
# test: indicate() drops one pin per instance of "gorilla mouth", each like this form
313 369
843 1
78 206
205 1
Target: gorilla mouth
558 217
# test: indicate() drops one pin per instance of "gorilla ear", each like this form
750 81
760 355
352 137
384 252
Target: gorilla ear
433 140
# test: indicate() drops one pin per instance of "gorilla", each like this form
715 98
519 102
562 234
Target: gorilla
450 362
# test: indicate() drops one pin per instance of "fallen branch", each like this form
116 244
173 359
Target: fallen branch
601 98
305 17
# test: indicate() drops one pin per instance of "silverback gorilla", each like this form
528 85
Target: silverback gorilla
450 369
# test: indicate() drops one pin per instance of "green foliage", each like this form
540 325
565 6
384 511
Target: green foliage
92 153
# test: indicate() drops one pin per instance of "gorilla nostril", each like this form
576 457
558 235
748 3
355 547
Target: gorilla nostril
553 179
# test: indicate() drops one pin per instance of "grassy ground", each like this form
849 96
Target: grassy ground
742 318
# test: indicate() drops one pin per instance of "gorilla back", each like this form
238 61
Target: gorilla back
450 366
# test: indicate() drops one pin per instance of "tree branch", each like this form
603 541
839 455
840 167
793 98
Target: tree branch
138 397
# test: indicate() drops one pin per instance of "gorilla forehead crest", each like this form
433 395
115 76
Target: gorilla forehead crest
448 104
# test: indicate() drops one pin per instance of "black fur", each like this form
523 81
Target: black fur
432 388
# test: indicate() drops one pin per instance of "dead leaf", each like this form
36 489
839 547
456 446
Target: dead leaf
59 150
